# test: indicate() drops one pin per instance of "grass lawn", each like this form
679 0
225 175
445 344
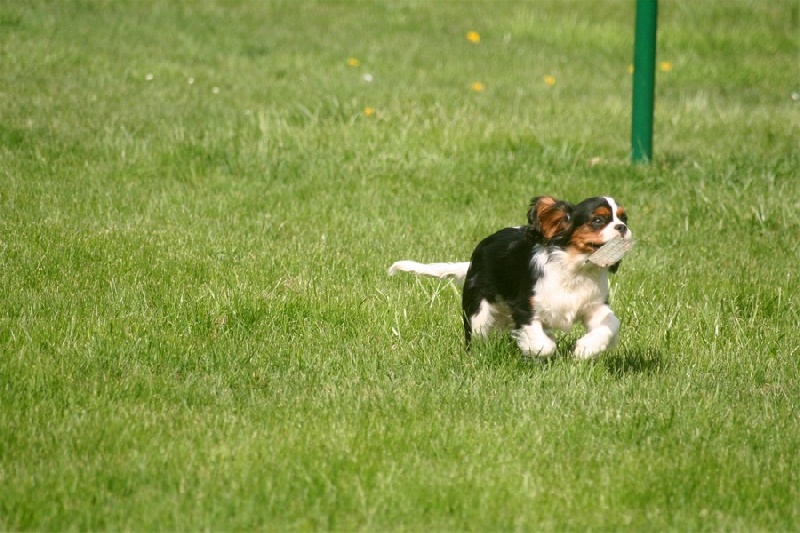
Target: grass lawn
198 204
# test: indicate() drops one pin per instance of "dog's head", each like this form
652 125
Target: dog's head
581 228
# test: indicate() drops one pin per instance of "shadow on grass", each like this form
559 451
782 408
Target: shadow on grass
622 362
501 351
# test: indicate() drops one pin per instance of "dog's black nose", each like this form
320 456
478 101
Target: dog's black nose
621 228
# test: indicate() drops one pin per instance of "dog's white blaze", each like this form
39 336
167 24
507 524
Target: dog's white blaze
613 205
610 231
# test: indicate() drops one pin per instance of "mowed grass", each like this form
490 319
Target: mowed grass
199 201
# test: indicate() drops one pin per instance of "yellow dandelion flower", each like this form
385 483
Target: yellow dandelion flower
549 80
630 69
368 112
353 62
665 66
477 87
473 37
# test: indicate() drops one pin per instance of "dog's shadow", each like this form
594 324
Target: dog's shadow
619 362
625 361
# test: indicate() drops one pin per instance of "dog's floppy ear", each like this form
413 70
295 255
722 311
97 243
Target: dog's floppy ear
549 216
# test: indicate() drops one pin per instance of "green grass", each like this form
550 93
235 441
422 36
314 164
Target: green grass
196 328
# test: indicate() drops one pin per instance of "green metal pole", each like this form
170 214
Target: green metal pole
644 80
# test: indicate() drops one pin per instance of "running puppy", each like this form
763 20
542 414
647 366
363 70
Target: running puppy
539 278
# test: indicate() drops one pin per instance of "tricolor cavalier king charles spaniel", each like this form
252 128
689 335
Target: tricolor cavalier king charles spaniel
538 278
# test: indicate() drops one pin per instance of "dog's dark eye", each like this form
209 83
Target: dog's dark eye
598 222
624 218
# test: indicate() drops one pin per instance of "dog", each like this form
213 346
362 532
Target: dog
538 278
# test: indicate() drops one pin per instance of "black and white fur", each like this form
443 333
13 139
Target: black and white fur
537 278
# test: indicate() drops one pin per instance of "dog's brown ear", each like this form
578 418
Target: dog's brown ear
549 216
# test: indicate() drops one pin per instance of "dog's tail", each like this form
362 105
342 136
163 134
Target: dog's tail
435 270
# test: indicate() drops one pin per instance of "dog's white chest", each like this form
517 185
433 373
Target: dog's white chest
562 294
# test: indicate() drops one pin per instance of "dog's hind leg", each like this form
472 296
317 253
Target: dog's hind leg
480 317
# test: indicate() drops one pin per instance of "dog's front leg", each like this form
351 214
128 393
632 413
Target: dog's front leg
602 327
533 340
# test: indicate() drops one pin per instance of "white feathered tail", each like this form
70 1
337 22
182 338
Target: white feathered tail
434 270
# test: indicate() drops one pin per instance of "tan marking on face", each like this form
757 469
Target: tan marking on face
602 211
586 239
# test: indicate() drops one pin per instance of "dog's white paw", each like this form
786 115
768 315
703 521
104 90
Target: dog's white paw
592 344
533 342
587 350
